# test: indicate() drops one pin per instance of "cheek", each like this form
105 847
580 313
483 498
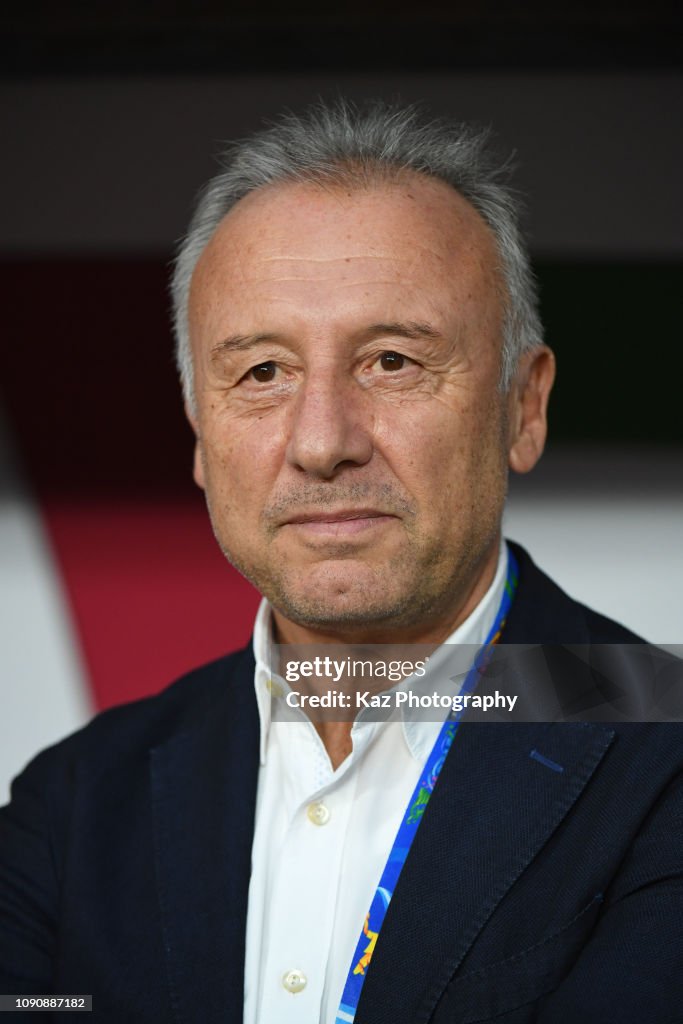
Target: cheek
451 458
240 466
435 438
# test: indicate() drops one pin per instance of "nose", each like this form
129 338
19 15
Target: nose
331 427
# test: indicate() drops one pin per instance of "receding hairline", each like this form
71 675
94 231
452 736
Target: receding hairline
349 179
347 185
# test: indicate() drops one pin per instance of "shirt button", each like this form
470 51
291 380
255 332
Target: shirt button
274 687
294 981
318 813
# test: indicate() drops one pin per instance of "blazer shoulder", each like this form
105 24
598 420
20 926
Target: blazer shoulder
543 613
604 630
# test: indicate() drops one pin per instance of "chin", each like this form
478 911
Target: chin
336 600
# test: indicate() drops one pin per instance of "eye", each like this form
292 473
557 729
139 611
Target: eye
392 361
263 373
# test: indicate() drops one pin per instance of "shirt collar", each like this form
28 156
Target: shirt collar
419 735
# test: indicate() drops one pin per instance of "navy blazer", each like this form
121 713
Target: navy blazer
537 890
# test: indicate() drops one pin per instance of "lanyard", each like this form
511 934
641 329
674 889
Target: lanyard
414 813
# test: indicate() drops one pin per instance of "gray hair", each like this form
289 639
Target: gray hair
341 144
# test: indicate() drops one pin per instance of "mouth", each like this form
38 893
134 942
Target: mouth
339 522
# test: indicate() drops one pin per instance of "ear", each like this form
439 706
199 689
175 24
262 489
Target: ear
529 398
198 464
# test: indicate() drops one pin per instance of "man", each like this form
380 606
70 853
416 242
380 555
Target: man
362 362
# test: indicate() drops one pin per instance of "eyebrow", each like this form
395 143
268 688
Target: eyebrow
239 342
409 329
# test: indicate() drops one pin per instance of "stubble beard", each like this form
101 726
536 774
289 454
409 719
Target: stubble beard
410 588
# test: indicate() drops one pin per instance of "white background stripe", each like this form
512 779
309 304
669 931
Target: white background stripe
43 691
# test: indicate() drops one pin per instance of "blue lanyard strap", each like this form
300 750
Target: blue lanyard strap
414 813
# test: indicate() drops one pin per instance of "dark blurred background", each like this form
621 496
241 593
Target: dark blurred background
112 114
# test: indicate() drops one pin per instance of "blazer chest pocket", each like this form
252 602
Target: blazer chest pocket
506 985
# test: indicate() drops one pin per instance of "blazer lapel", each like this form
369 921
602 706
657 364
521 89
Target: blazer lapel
494 807
204 793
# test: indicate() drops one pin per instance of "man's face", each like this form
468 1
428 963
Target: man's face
352 438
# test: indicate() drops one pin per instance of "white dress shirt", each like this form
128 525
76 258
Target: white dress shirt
322 838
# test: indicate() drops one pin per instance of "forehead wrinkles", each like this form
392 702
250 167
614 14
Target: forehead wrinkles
234 276
299 267
326 301
295 236
349 271
358 245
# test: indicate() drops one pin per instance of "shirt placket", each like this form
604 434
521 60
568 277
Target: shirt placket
301 916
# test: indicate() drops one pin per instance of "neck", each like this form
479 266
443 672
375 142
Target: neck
336 737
